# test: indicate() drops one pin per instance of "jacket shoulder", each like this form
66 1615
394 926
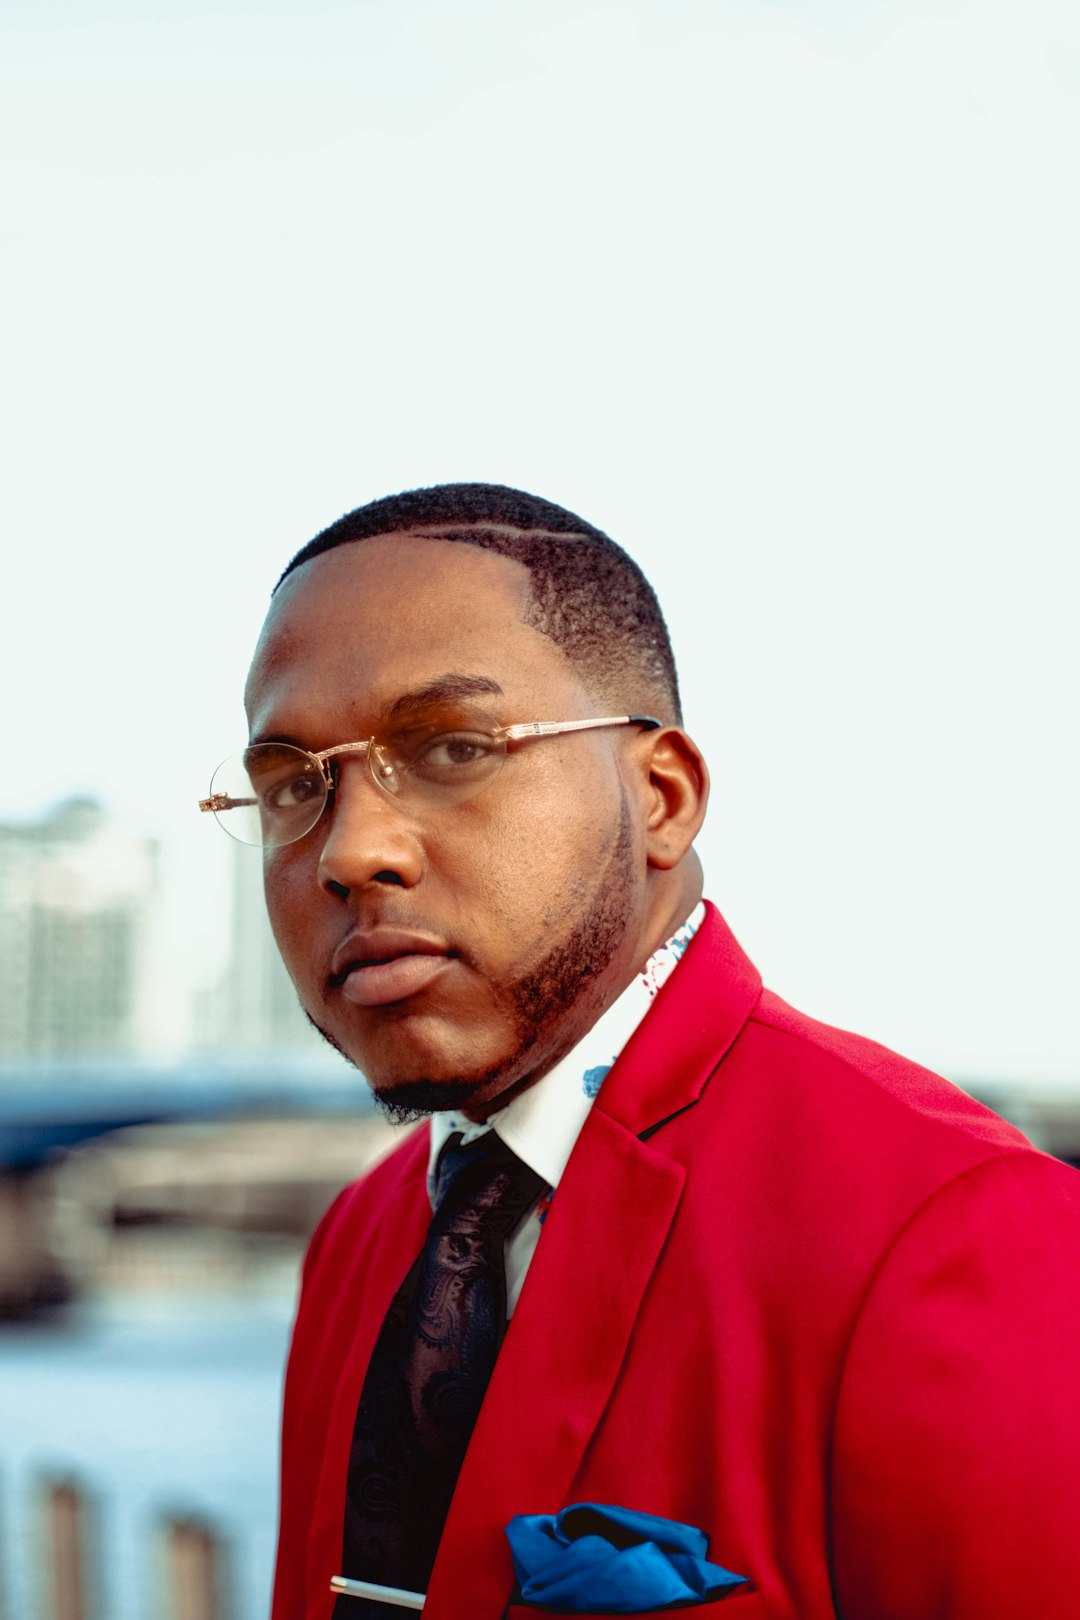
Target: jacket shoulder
862 1070
836 1135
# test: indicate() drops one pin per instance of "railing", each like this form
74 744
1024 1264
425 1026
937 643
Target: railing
196 1570
190 1558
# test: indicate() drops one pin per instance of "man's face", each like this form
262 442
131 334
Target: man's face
453 953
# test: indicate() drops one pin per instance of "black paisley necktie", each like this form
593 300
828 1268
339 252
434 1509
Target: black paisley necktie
429 1370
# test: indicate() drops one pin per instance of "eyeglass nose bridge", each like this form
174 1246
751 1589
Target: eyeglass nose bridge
379 764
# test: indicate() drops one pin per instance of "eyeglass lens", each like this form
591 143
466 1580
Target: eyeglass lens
274 793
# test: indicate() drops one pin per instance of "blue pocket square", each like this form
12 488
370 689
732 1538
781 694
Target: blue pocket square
593 1557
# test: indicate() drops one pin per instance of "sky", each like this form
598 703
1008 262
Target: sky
783 296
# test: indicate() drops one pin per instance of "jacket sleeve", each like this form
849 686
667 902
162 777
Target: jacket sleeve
956 1466
297 1460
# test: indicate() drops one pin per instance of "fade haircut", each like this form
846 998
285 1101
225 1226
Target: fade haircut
588 595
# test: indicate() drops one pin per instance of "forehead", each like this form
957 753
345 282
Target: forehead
353 631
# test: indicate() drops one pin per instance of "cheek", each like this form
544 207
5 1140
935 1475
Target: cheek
288 887
543 850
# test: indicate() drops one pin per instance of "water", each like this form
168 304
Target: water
163 1406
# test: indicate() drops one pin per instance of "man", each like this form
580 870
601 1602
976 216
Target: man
767 1278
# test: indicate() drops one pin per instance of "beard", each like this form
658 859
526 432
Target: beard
540 1001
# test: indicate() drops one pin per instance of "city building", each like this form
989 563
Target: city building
253 1008
77 901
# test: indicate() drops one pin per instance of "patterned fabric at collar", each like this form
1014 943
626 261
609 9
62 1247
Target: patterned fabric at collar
543 1123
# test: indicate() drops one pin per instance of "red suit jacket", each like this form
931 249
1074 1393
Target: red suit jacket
791 1289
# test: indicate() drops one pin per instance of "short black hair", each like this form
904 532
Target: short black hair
588 595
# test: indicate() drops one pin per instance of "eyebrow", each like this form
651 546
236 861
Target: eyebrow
445 689
449 688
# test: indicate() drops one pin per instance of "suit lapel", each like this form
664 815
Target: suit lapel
608 1223
668 1060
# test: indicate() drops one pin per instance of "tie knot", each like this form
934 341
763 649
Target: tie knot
484 1180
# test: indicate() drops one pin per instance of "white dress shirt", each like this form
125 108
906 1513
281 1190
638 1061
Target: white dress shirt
542 1123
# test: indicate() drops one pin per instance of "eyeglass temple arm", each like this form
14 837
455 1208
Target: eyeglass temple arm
552 728
222 801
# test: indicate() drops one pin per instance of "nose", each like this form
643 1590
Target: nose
370 835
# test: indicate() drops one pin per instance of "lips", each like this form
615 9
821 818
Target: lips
382 966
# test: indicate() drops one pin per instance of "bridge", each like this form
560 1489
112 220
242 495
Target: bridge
49 1107
220 1160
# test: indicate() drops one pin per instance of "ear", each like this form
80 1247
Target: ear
676 794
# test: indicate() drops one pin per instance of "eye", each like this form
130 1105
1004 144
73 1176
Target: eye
293 792
453 753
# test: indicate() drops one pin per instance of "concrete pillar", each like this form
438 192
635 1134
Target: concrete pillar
66 1543
195 1559
30 1276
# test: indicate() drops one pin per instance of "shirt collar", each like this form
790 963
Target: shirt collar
542 1123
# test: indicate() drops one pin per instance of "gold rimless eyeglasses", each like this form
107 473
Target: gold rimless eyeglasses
272 793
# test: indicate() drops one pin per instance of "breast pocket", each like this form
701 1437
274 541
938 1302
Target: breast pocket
739 1606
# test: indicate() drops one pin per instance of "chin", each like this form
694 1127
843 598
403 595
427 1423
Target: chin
406 1101
408 1089
470 1085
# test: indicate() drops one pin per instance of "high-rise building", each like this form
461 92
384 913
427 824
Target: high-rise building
77 895
254 1008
